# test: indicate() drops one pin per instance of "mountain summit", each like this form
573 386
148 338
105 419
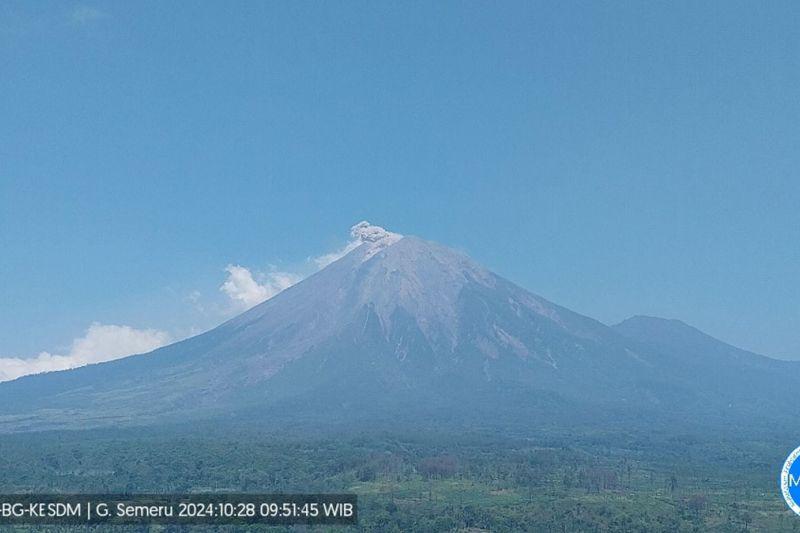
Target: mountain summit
403 325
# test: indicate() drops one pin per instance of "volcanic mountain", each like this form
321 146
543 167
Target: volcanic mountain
405 327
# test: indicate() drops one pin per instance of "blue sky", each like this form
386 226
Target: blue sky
617 158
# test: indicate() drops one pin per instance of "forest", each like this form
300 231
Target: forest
469 480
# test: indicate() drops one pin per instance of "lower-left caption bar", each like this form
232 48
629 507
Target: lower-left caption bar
188 509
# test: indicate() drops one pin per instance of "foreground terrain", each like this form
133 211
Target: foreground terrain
435 480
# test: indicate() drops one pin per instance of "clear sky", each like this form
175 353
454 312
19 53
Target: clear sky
618 158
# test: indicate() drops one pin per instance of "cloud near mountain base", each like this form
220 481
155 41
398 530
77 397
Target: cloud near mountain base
101 342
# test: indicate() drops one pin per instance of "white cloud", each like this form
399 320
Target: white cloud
83 14
102 342
245 291
107 342
195 298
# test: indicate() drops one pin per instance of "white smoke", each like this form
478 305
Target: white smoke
326 259
102 342
246 289
366 232
361 233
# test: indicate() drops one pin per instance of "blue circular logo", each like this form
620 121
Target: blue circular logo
790 481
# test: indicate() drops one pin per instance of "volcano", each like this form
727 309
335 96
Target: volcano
401 326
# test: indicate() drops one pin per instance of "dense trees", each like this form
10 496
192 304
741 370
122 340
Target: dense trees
426 481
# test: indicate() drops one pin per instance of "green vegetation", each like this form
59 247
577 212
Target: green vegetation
413 481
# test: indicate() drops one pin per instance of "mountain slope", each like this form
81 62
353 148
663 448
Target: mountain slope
397 326
733 377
